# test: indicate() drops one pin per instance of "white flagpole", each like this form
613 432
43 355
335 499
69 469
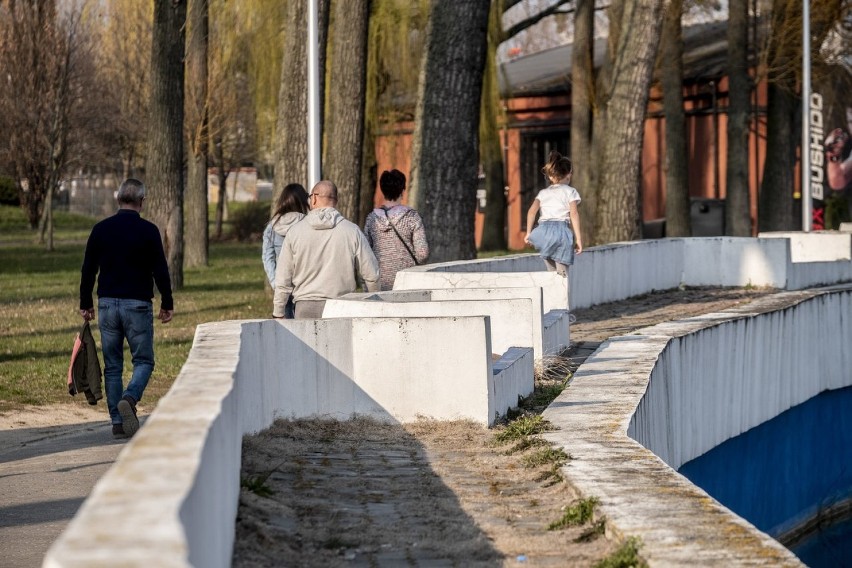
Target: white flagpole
314 134
807 203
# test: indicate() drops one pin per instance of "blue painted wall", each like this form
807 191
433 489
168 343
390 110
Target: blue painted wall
779 473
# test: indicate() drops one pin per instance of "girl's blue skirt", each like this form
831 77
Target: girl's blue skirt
554 240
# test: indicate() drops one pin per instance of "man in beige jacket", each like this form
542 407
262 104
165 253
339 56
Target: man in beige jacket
322 258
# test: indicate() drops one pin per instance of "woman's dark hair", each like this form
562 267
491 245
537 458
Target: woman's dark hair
557 166
292 199
392 184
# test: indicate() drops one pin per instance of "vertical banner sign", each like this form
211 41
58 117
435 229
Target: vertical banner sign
816 149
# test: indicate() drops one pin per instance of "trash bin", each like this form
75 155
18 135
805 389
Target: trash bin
707 217
654 229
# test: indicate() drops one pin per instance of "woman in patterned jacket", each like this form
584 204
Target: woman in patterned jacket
395 231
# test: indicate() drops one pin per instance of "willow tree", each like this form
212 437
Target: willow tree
346 98
196 130
445 147
737 206
124 67
164 166
678 222
395 44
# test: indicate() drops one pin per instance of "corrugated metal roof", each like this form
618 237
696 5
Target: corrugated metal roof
549 72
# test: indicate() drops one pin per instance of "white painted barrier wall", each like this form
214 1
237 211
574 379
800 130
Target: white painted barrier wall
645 403
714 381
620 270
171 497
735 261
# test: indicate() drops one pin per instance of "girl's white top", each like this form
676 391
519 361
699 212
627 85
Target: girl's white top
556 201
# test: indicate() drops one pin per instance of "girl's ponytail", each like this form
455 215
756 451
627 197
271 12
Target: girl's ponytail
557 167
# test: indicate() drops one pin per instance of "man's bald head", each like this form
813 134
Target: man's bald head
323 194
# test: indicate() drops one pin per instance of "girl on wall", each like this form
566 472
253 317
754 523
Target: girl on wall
557 235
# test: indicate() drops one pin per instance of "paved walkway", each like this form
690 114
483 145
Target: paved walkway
45 474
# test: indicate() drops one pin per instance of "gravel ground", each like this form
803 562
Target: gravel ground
361 493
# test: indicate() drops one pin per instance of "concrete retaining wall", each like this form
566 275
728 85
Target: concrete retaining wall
680 388
716 380
791 261
171 497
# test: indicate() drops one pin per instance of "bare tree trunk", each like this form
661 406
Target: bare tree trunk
582 95
197 128
164 156
775 210
346 97
445 150
494 226
625 104
291 152
775 202
678 223
491 148
369 177
737 209
222 174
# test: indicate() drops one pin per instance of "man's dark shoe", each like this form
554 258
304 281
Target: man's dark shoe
118 431
127 409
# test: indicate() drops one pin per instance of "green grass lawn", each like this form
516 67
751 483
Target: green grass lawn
39 299
39 317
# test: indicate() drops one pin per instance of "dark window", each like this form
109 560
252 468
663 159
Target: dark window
535 148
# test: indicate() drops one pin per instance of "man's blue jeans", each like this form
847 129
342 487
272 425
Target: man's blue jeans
120 319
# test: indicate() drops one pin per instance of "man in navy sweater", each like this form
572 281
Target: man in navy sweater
126 253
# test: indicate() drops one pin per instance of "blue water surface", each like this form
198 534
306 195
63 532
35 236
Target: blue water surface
781 472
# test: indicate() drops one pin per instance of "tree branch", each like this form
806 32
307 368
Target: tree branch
533 20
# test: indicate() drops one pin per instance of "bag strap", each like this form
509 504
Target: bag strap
410 252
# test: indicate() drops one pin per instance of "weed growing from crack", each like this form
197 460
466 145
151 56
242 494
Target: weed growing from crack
526 443
597 529
577 514
552 476
544 456
337 543
521 427
626 556
257 483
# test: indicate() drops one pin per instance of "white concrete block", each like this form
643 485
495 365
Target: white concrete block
398 372
819 246
735 261
554 287
513 321
513 378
